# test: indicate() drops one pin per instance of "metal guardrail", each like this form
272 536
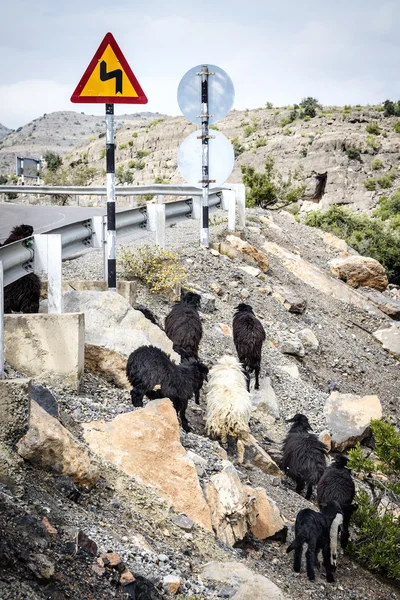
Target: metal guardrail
120 190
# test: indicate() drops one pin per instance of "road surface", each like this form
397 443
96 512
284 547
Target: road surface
42 218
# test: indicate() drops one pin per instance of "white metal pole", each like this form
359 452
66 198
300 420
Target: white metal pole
1 321
111 232
205 238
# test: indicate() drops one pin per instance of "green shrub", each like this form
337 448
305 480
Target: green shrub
287 131
388 209
249 130
160 180
269 188
102 153
370 184
373 142
260 142
304 151
369 236
373 128
159 269
134 134
130 143
396 127
353 154
122 146
392 109
238 148
277 112
269 105
378 526
123 175
53 161
285 121
377 164
214 127
309 107
155 122
143 153
386 181
79 175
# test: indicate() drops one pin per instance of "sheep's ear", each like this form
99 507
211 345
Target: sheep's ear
324 505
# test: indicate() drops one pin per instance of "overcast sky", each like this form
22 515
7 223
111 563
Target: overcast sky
339 51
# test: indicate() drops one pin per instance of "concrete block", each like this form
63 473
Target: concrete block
48 348
127 289
14 409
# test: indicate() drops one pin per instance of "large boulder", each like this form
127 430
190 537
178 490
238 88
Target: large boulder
232 509
360 271
49 445
146 445
244 582
113 329
349 416
390 339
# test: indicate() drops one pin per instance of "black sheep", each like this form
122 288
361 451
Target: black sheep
141 589
148 314
319 532
183 325
303 455
22 295
248 337
152 373
337 484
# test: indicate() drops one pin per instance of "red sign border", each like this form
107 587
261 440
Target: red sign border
139 99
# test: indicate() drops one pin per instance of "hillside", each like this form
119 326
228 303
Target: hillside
133 511
335 142
58 132
4 131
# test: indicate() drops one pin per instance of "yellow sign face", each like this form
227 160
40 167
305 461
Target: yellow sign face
108 78
110 85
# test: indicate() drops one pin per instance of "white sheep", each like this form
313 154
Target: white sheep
228 403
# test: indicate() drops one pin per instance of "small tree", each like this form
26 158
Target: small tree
53 161
270 189
309 107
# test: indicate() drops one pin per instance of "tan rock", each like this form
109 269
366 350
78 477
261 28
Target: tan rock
51 531
136 443
336 243
172 583
390 339
269 520
232 510
109 559
269 223
326 439
261 459
126 577
360 271
110 363
248 250
308 339
49 445
348 417
225 329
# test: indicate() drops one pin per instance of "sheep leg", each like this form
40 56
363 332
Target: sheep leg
185 423
309 491
300 486
257 373
326 552
197 397
137 394
310 557
298 551
240 451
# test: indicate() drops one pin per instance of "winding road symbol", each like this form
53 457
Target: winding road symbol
116 74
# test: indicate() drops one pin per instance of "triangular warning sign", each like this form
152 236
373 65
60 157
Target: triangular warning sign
108 78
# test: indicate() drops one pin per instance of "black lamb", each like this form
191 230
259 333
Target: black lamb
22 295
319 531
303 455
337 484
248 337
183 325
148 314
152 373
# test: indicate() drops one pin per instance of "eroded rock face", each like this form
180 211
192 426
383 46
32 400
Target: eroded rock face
146 445
390 339
348 418
49 445
232 509
360 271
247 584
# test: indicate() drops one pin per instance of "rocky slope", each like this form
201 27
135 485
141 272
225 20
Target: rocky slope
59 132
317 147
140 522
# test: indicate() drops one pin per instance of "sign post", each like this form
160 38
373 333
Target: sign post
109 80
211 90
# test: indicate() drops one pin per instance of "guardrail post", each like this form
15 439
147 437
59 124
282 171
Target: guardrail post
48 256
99 238
196 207
241 202
228 202
156 222
3 197
1 321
